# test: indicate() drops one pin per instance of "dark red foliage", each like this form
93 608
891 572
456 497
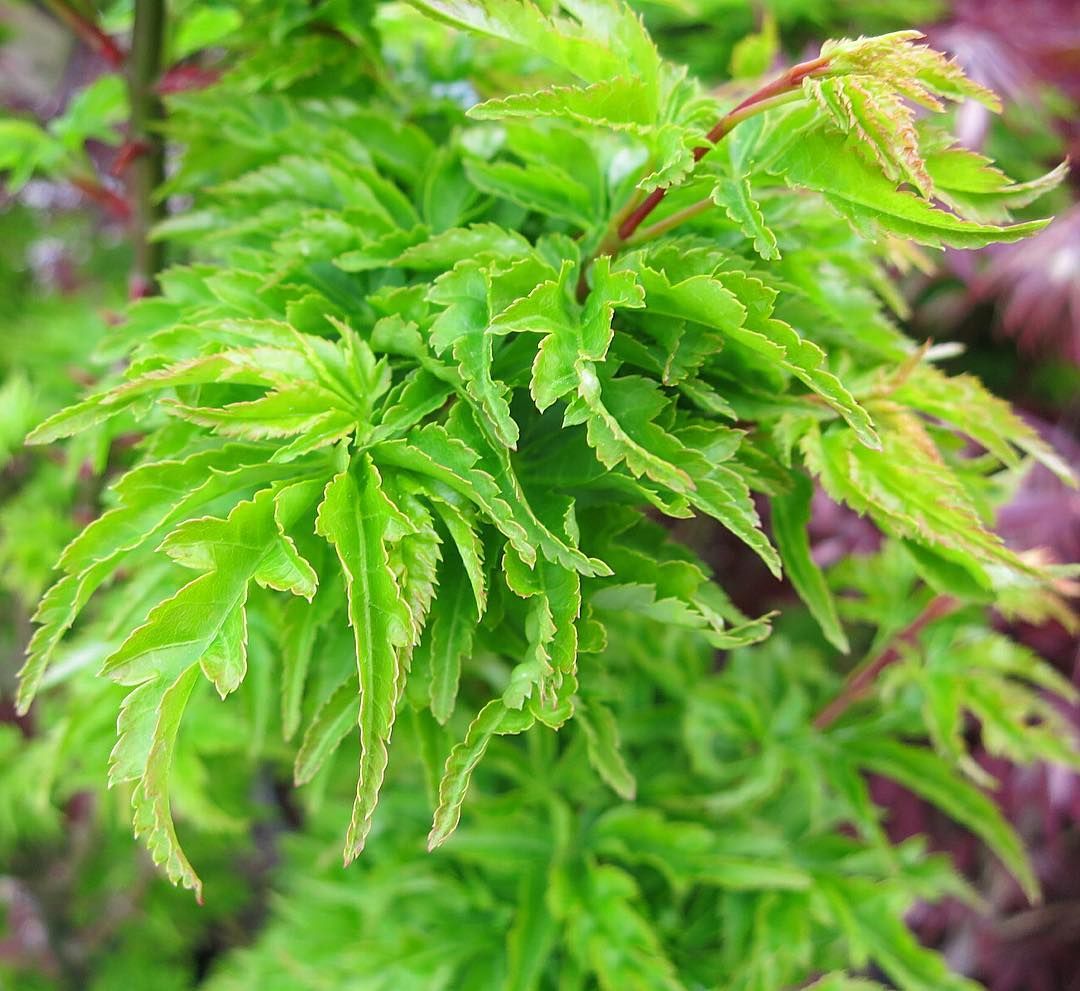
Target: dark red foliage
186 78
1018 48
1037 287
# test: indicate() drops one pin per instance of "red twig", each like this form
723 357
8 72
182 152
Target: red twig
114 203
186 79
786 83
129 151
89 33
862 679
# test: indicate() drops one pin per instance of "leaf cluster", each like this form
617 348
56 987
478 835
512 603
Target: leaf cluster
417 420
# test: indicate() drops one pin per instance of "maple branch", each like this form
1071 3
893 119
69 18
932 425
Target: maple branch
89 33
147 170
671 221
861 680
93 189
770 95
633 213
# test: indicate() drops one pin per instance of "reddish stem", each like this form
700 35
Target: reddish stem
89 33
789 81
129 151
647 205
862 679
782 84
186 79
112 202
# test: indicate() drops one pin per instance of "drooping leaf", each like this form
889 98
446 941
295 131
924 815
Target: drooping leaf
790 519
451 633
202 624
356 519
333 721
602 741
926 775
495 719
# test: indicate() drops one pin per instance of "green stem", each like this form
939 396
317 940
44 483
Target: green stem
148 169
610 241
672 221
731 120
669 222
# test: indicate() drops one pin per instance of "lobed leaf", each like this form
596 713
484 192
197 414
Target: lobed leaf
356 518
495 719
870 201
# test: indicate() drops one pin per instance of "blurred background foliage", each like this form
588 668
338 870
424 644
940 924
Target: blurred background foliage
79 904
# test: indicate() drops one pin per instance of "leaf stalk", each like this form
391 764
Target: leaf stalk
89 33
858 684
772 94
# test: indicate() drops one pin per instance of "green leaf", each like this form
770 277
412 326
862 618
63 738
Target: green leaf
740 307
602 40
790 519
281 413
753 55
533 936
494 463
737 199
202 624
495 719
459 470
573 335
461 524
93 113
927 775
621 102
356 518
450 635
908 490
723 493
553 595
970 184
150 800
246 546
892 945
688 853
857 191
300 623
332 722
608 930
25 148
150 498
601 731
544 188
619 415
263 366
465 327
202 28
224 662
477 242
963 402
